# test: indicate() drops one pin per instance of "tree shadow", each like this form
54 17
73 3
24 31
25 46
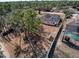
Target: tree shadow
71 45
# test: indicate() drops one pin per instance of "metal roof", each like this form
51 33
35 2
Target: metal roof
51 19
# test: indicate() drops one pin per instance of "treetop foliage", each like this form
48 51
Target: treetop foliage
21 12
27 18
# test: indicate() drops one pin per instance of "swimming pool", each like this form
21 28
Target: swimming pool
73 35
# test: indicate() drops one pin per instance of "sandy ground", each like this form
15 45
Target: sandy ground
51 29
64 51
41 47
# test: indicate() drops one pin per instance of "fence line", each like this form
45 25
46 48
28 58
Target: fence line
51 50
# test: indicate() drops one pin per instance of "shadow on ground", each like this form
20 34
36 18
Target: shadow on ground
71 45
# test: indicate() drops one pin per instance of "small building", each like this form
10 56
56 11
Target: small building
51 19
72 30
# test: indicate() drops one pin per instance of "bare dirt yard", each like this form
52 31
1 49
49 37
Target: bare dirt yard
40 43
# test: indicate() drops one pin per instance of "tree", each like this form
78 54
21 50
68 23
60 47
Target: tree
29 21
1 23
31 24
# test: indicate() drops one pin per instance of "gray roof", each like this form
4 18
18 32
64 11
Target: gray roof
51 19
72 27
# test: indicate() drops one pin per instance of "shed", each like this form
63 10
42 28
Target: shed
51 19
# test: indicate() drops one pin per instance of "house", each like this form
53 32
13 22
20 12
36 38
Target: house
72 29
51 19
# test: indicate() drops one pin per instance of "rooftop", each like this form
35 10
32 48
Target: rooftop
51 19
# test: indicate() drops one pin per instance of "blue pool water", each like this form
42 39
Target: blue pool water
73 35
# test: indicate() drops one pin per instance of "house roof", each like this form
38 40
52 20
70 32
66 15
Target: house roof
51 19
72 27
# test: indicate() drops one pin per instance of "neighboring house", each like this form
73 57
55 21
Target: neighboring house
71 27
72 30
73 24
51 19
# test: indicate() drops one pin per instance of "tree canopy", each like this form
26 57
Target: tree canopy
27 18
